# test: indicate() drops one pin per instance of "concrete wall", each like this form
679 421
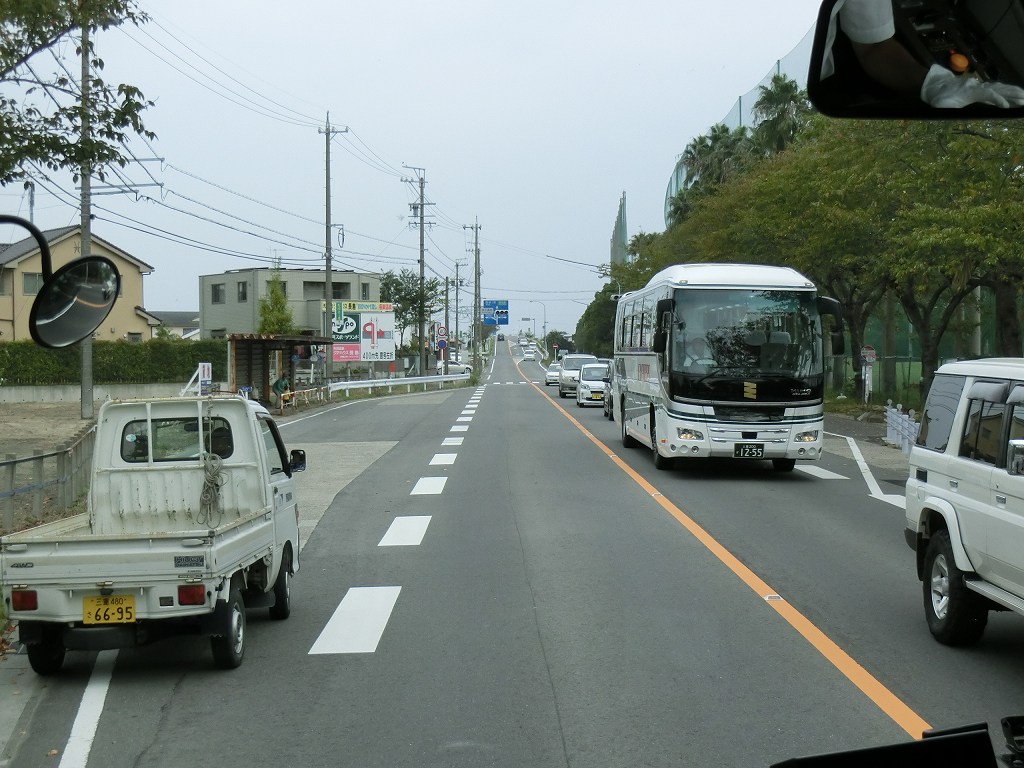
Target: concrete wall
72 393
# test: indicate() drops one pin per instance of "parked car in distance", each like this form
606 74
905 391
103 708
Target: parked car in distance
501 336
551 373
570 374
591 385
454 368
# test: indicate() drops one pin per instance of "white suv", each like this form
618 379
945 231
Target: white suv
569 377
965 497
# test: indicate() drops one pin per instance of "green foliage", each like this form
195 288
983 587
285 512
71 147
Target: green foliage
275 314
40 113
403 290
114 362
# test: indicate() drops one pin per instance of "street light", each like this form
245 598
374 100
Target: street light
544 326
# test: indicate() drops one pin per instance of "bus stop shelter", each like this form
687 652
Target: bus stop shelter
253 358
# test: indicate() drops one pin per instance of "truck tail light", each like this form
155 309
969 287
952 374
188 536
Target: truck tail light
24 600
191 594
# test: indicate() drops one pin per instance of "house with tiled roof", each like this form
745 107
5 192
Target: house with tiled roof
21 277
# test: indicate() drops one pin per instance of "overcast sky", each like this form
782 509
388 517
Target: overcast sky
531 117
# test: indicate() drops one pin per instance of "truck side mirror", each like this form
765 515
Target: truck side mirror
297 460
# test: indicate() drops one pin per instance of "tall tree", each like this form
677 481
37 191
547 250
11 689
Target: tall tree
40 118
275 314
781 110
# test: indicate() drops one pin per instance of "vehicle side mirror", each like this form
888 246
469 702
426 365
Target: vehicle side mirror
1015 457
663 316
958 63
829 306
297 460
73 301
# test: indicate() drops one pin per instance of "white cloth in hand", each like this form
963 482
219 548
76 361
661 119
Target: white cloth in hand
942 88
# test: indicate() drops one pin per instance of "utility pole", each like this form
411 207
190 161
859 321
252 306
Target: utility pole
477 308
419 210
328 314
88 407
448 348
458 287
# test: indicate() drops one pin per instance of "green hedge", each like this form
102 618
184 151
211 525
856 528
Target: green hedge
113 362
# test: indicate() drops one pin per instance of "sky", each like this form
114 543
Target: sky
530 118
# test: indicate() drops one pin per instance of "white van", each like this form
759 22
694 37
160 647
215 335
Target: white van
965 497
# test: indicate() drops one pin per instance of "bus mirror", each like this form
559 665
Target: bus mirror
838 343
663 315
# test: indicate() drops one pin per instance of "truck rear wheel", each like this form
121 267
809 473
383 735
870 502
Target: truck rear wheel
47 657
229 646
955 614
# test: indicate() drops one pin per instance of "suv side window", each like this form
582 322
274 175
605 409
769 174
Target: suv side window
983 431
939 410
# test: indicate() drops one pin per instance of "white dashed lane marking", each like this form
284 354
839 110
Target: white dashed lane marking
358 621
428 486
406 531
443 459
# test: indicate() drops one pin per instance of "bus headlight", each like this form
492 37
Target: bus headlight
806 437
685 433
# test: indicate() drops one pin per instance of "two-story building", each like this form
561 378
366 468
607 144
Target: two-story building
21 278
230 301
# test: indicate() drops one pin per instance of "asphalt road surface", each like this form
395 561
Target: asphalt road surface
490 579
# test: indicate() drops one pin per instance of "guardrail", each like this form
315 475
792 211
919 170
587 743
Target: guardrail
426 382
66 469
900 428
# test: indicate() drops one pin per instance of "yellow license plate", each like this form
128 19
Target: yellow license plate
108 609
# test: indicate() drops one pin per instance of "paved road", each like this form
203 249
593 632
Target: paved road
549 612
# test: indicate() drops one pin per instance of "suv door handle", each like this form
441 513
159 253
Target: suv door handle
954 483
1000 499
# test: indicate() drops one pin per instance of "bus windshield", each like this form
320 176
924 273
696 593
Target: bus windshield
721 336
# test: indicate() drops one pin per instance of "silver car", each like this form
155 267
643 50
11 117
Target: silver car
569 377
551 374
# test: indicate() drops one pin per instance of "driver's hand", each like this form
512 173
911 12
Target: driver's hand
942 88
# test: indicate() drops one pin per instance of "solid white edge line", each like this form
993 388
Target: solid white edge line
83 732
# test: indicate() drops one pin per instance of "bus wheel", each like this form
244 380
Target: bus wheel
628 441
660 462
783 465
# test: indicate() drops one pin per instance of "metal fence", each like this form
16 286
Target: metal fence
57 478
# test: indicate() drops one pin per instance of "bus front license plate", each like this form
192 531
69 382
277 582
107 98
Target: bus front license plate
109 609
748 451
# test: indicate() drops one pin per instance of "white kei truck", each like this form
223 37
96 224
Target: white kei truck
191 519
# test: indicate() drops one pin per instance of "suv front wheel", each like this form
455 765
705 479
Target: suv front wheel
955 614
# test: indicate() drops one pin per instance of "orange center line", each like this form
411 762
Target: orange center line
867 683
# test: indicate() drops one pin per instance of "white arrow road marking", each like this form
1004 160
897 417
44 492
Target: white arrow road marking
358 621
406 531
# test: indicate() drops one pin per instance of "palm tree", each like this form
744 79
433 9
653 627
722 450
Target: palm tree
781 110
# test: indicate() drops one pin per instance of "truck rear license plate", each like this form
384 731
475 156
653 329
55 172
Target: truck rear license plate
108 609
748 451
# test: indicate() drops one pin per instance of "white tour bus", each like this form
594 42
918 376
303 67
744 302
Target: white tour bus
723 360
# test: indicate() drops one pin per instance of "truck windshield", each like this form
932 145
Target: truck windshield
722 338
